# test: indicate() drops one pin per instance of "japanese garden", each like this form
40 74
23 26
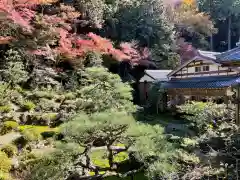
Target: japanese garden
119 89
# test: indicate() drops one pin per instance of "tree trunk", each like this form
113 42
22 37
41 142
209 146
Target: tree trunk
110 156
229 31
211 38
211 42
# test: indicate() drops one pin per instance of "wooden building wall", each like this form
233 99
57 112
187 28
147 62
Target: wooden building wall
214 70
144 88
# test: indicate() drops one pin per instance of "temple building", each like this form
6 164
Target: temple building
201 77
207 76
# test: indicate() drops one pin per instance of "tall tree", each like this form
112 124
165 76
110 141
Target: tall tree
194 26
223 11
145 22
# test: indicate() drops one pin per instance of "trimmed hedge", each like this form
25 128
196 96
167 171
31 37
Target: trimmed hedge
8 126
9 149
5 163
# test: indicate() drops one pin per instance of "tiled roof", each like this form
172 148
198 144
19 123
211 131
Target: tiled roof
208 54
231 55
152 75
202 82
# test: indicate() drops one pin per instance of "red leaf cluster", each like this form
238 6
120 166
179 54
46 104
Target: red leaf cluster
186 51
136 55
18 12
66 44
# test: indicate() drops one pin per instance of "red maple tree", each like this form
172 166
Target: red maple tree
54 34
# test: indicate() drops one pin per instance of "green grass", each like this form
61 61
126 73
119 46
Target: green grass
35 133
38 128
138 176
99 158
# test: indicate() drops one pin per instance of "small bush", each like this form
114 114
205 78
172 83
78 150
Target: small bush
8 126
203 116
48 134
28 105
5 163
10 150
187 157
19 89
5 109
4 176
21 141
27 159
32 134
47 118
44 94
26 156
70 96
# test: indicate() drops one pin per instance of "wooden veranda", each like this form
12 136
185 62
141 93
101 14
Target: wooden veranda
227 94
198 92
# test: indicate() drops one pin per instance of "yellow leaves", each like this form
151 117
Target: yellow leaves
187 15
189 2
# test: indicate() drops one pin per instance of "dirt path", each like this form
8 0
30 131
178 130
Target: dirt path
8 138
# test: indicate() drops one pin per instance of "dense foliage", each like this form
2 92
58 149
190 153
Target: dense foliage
145 145
213 142
64 114
60 104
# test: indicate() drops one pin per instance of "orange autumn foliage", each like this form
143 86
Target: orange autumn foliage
189 2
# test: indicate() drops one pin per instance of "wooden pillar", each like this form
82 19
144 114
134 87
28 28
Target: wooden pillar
165 100
226 100
237 106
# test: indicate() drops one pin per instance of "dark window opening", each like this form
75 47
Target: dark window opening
205 68
197 69
193 98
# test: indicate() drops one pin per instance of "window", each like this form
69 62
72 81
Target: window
205 68
198 69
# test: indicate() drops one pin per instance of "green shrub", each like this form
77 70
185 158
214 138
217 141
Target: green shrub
47 105
27 159
44 94
8 126
26 156
28 105
4 176
49 117
5 163
187 157
48 134
5 108
70 96
203 116
32 134
21 141
19 89
10 150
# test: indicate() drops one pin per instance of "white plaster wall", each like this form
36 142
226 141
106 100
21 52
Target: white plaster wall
212 67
